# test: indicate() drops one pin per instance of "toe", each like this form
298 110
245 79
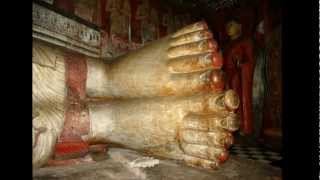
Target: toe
218 155
217 60
213 103
190 37
216 138
231 100
195 63
188 64
195 82
224 102
195 48
217 80
228 121
199 162
191 28
191 83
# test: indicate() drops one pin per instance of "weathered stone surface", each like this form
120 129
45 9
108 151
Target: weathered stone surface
118 166
55 28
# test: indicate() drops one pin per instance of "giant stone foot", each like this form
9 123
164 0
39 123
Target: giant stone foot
184 63
196 129
166 99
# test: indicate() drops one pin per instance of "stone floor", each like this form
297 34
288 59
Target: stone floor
257 153
123 164
262 151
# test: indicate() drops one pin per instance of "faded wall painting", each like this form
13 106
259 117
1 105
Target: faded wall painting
85 9
131 24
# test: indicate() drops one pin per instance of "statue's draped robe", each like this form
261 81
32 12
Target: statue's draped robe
240 77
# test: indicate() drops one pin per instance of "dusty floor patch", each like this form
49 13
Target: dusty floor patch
117 167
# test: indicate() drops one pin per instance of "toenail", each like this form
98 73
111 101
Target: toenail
231 100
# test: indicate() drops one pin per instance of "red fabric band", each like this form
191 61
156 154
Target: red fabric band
77 121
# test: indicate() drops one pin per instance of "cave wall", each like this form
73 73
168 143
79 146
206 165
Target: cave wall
126 25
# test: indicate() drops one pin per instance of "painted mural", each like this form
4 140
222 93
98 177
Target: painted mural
85 9
127 24
131 24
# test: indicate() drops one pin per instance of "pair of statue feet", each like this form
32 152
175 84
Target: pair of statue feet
166 99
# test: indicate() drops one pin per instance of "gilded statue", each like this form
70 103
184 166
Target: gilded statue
166 99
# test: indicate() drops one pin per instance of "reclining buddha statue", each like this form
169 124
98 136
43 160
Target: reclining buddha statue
166 99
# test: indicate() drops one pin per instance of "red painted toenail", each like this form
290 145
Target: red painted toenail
223 157
217 80
208 34
212 45
203 24
217 60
